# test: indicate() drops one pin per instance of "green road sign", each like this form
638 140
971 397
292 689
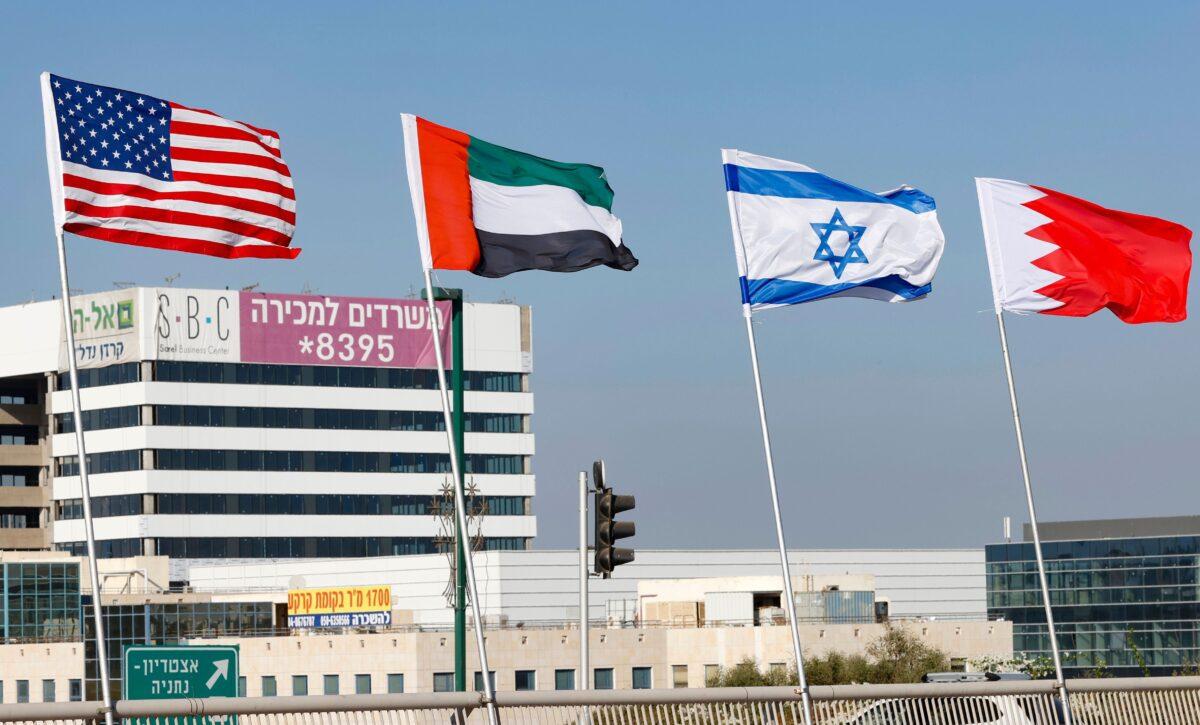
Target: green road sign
170 672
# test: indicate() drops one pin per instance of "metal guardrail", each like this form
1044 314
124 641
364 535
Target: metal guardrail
1116 701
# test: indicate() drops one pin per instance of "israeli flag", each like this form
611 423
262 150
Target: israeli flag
802 236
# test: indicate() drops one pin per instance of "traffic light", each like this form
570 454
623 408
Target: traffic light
608 529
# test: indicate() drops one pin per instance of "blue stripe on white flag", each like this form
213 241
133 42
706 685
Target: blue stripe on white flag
813 185
758 292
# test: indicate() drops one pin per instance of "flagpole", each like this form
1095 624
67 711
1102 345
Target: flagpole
788 595
85 487
460 506
1033 525
54 168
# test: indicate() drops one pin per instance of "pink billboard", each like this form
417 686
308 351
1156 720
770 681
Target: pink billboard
358 331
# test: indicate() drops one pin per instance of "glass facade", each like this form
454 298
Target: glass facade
41 602
283 547
323 376
192 459
277 504
1112 599
127 624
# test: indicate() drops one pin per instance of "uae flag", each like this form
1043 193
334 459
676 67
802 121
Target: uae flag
494 211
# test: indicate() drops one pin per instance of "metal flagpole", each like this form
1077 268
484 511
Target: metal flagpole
460 505
584 618
788 595
85 487
1033 525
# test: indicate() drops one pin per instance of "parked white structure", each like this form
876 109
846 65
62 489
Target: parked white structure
226 425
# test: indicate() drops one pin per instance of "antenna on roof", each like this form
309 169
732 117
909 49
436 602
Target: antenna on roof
251 287
170 279
308 289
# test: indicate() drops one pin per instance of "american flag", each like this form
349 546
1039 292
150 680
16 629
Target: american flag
140 170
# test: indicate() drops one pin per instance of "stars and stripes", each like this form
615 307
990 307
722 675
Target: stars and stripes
140 170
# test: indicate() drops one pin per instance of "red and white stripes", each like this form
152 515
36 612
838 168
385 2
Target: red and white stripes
231 195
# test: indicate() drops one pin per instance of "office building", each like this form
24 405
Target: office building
1125 593
225 425
53 661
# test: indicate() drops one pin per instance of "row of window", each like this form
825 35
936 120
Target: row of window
523 680
19 477
303 418
49 691
130 372
9 397
307 375
278 547
19 520
111 462
1103 613
1096 566
103 419
564 679
1086 597
167 459
331 685
278 504
1095 548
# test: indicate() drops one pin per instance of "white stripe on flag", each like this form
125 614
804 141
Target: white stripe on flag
208 143
186 231
207 119
540 209
255 172
135 179
192 207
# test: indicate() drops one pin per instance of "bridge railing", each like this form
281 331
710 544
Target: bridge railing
1116 701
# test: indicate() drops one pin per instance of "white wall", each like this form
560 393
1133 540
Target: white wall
544 585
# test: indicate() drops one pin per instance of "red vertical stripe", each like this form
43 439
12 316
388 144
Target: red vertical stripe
447 187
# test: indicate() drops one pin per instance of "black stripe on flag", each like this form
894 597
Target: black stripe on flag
503 254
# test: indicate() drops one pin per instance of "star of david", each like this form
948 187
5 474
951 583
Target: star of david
854 253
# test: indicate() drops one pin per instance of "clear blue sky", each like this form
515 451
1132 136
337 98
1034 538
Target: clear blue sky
891 421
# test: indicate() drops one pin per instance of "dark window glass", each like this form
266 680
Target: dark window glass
479 681
602 678
564 679
525 680
641 678
395 683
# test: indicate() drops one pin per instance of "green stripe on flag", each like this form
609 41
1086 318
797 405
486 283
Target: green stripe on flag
489 162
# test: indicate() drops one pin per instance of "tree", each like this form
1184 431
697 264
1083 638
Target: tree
899 656
896 656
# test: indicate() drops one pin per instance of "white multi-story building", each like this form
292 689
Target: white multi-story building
242 425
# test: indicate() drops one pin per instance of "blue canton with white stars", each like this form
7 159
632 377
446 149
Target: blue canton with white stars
113 130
